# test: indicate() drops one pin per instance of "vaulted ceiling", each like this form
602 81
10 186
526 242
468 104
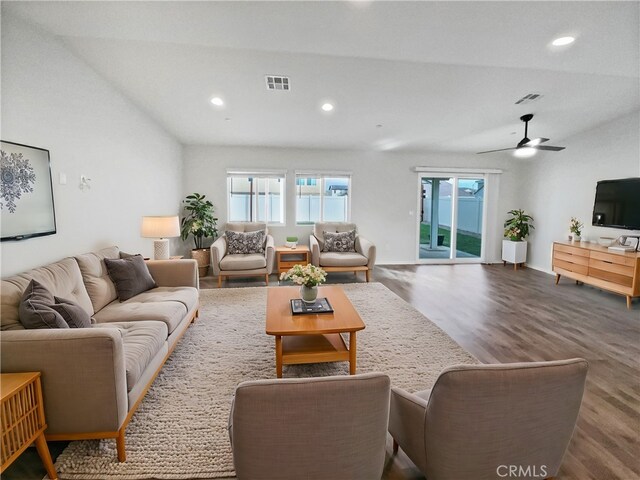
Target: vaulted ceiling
440 76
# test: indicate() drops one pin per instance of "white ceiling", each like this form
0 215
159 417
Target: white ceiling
438 76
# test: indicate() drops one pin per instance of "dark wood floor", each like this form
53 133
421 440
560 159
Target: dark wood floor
500 315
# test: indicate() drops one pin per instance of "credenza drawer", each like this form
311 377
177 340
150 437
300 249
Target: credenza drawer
611 267
612 277
571 267
581 252
567 257
614 258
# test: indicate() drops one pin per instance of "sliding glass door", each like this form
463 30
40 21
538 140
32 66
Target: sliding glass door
451 219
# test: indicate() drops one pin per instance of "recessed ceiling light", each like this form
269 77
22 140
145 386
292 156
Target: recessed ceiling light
217 101
559 42
327 107
524 152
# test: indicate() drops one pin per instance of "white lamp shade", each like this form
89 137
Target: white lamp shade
160 227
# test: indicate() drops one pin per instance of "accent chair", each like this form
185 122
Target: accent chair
227 264
484 421
310 428
360 259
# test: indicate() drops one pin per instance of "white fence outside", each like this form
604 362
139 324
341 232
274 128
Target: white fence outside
239 208
469 213
308 208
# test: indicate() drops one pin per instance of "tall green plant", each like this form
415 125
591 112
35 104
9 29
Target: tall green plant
198 220
517 227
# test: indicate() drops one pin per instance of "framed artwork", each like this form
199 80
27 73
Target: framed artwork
26 192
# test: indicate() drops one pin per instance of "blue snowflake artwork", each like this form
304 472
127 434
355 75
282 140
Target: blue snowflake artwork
17 178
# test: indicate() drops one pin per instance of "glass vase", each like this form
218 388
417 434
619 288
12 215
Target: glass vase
309 294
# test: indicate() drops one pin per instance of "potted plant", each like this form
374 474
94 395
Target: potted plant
201 224
575 227
516 230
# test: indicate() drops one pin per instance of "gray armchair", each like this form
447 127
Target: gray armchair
310 428
479 420
363 259
239 264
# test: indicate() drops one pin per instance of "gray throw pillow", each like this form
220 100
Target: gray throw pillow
73 314
339 241
245 242
130 276
35 308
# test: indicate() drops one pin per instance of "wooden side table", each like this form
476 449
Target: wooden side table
22 417
287 257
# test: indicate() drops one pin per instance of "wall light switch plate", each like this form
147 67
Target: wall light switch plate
63 179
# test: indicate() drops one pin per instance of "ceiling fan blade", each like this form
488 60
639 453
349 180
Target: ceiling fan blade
549 147
500 150
536 141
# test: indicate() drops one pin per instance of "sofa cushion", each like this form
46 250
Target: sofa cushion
130 275
245 242
320 227
188 296
73 314
99 286
339 242
62 279
141 342
347 259
249 261
35 308
165 304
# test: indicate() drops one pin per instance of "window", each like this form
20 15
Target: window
256 197
322 198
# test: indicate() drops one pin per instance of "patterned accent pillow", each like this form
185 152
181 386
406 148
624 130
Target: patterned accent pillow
245 242
340 241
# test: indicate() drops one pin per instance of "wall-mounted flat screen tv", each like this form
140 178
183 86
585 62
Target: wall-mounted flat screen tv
26 192
617 204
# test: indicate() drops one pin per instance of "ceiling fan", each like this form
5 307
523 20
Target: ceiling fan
526 147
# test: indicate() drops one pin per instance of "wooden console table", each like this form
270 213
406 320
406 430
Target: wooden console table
617 272
287 257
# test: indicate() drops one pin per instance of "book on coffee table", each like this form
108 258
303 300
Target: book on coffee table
321 305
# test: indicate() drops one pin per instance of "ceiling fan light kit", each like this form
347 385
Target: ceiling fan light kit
524 152
526 147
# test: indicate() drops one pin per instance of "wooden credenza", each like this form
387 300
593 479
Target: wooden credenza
618 272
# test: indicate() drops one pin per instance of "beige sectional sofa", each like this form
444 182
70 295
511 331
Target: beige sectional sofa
94 378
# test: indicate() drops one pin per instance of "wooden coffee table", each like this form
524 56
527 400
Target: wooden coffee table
312 338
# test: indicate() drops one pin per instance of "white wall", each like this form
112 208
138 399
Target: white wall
384 189
52 100
563 184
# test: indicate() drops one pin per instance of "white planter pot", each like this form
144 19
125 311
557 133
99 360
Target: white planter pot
514 252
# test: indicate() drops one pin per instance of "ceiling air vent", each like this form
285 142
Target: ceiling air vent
277 82
529 98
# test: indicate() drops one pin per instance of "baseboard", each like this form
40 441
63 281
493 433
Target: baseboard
540 269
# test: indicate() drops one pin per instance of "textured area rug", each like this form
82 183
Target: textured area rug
180 429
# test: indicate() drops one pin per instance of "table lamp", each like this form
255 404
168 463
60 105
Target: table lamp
160 228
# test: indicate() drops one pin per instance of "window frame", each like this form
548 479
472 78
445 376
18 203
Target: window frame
322 176
258 175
